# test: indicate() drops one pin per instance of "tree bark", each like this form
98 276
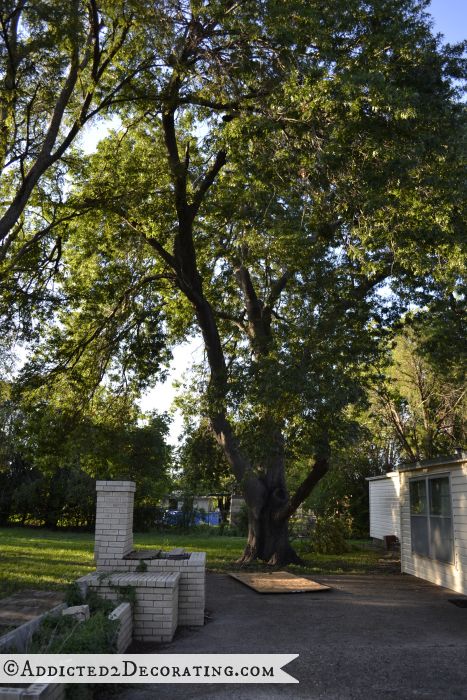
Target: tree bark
269 510
268 536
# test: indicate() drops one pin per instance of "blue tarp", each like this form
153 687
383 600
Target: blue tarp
178 517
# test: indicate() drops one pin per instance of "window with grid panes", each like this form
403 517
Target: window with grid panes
431 517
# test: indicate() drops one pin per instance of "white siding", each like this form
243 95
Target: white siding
384 506
454 575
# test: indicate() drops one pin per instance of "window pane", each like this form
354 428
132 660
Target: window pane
419 531
418 497
440 498
441 539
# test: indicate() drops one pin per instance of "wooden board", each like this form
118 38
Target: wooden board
279 582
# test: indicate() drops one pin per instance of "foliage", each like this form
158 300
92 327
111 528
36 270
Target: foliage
241 521
343 492
329 535
201 463
73 595
421 398
281 168
62 65
54 451
65 635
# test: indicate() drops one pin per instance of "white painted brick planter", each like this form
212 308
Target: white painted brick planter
191 595
18 639
56 691
155 614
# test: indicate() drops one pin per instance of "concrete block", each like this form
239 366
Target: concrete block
79 612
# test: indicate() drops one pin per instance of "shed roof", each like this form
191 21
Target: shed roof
381 476
458 458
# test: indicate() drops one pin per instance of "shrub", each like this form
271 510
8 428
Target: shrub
73 595
145 517
66 635
328 535
98 635
241 521
229 530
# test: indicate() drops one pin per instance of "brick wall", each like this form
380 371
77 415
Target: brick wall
192 585
114 519
155 613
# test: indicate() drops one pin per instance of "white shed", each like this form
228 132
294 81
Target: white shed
384 505
433 503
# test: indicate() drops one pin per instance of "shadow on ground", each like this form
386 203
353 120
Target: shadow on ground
371 637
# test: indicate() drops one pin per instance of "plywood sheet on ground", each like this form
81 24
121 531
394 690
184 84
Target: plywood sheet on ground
279 582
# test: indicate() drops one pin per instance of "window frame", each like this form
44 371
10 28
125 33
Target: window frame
426 478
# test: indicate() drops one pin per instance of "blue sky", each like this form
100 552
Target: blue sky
450 18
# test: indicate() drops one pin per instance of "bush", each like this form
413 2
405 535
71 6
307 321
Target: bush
229 530
65 635
241 521
328 535
145 517
98 635
301 524
73 595
60 634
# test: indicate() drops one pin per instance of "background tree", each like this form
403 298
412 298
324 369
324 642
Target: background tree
203 469
54 448
63 67
422 399
283 162
59 68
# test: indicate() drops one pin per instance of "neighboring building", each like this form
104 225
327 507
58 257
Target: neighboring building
176 502
210 509
433 518
384 506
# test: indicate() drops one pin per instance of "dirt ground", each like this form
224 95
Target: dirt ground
372 637
26 605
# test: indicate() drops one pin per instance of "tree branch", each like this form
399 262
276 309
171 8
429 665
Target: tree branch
320 468
237 320
158 247
208 180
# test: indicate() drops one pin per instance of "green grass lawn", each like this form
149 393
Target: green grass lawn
33 558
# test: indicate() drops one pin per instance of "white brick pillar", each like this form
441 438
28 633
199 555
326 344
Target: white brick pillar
114 520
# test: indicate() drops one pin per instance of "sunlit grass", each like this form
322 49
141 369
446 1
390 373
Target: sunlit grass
41 559
34 558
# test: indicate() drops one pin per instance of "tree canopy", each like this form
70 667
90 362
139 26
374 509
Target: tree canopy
53 447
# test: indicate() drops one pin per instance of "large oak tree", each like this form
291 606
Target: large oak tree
280 164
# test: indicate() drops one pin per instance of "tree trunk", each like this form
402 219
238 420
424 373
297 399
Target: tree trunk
266 494
223 503
268 540
269 510
267 500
